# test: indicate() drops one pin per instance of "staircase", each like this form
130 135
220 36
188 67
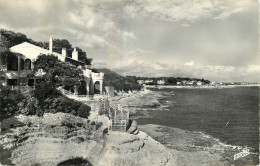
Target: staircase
103 104
118 116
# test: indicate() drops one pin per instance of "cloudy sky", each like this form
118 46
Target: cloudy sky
212 39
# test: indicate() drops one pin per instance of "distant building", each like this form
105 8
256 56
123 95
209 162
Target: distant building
183 82
199 83
148 81
213 83
189 82
140 82
160 82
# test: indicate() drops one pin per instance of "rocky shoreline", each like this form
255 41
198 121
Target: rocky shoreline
57 138
195 148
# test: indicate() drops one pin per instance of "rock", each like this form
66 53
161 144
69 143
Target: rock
11 123
133 127
127 149
47 144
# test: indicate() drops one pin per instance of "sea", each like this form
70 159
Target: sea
228 114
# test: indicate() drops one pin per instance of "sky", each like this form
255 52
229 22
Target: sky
211 39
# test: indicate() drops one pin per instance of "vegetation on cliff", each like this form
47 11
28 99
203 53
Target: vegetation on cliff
45 97
119 82
56 72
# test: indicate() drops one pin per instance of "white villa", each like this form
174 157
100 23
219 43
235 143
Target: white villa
160 82
19 69
148 81
199 83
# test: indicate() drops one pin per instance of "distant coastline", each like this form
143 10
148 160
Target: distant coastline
202 86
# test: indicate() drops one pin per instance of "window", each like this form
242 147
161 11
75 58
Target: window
31 82
12 62
28 64
12 82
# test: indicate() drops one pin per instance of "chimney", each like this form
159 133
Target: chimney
75 54
50 45
64 52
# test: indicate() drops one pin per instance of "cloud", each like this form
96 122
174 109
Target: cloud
143 37
185 12
213 73
128 35
191 63
228 13
92 22
137 62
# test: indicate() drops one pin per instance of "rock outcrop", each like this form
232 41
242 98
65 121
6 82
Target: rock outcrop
127 149
58 139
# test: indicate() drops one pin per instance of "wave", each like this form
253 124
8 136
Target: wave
234 147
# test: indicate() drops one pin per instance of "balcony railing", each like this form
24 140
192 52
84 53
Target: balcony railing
98 75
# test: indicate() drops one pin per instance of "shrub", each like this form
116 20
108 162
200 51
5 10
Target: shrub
30 106
66 105
83 111
67 124
52 101
9 100
45 90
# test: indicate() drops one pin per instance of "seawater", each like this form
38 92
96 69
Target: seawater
229 114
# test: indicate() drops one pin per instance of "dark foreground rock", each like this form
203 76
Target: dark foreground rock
63 139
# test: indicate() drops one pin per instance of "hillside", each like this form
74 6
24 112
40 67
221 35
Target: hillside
119 82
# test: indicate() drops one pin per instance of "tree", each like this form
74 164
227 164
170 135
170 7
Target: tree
57 72
172 80
58 44
83 57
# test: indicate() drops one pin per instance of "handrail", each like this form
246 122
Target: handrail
64 91
115 111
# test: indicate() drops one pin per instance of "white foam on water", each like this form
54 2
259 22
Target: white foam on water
240 148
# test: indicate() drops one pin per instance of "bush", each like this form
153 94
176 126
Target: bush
45 90
67 124
9 100
83 111
52 101
66 105
30 106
